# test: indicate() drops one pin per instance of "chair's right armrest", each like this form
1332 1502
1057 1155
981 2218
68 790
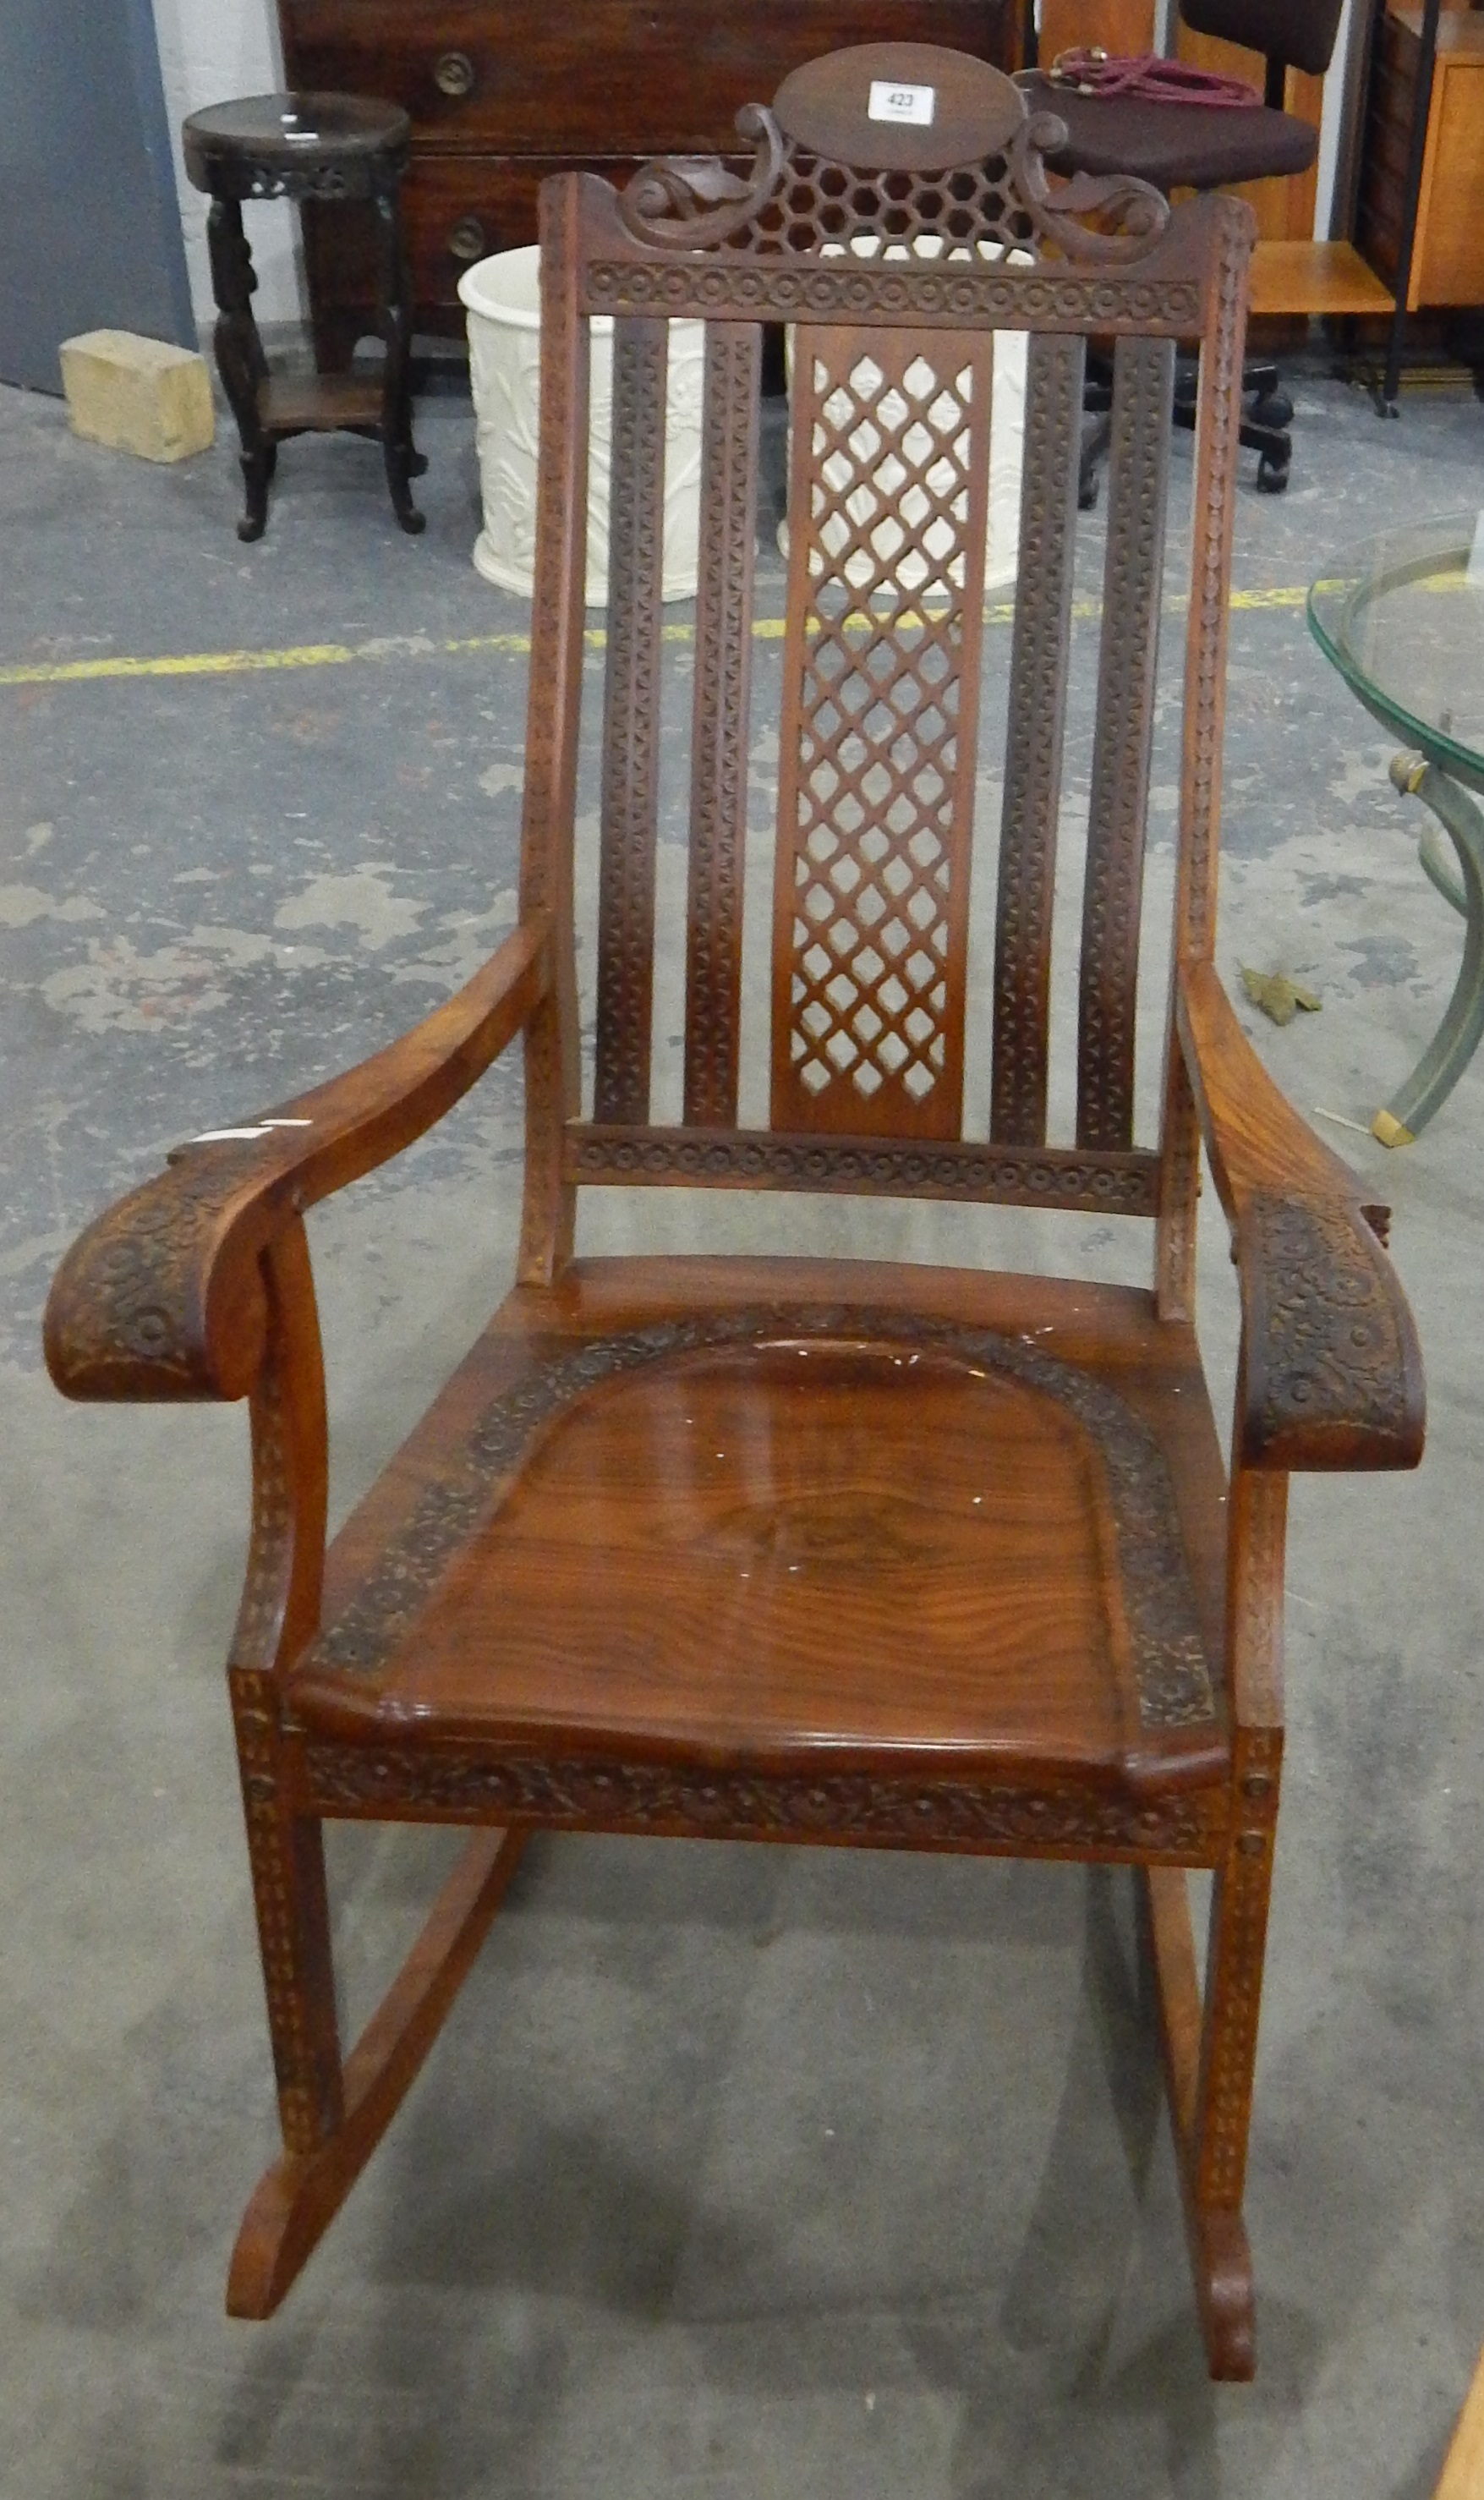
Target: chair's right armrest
162 1297
1332 1372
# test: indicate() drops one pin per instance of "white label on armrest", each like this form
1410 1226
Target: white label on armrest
261 1128
892 100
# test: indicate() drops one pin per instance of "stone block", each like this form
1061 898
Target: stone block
138 395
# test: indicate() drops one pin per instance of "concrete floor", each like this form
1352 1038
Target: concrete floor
737 2171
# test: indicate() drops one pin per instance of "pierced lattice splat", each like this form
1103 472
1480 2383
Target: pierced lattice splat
887 502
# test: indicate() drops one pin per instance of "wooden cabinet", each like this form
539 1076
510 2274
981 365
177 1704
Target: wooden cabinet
1120 26
1448 255
503 92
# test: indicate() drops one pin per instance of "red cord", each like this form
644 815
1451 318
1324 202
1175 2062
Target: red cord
1144 76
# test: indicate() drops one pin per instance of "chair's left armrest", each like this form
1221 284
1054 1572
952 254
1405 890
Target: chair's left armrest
1332 1371
162 1297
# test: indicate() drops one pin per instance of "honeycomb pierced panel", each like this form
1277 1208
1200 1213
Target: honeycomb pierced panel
886 602
821 206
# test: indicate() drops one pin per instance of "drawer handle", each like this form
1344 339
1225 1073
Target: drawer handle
453 74
466 239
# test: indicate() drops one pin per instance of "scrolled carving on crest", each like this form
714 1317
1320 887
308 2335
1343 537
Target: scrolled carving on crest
800 205
692 202
1139 213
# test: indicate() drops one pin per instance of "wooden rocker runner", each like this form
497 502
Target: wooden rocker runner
785 1549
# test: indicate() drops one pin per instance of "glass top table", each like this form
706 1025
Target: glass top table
1403 620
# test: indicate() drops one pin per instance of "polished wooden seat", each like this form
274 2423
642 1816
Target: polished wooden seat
780 1549
1020 1595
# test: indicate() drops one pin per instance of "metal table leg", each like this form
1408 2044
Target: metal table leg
1457 1037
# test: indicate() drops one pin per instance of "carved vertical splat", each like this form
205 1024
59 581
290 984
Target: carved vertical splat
887 504
631 722
1143 380
1033 763
718 814
552 1087
1213 509
279 1613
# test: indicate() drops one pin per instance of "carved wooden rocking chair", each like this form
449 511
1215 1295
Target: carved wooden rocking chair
901 1556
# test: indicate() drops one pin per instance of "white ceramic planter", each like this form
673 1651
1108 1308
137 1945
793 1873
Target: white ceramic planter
502 298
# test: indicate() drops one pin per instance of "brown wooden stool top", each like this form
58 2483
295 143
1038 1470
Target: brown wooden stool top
274 147
322 148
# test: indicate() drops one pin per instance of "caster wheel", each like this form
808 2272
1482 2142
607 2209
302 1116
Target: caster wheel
1277 411
1272 475
1087 493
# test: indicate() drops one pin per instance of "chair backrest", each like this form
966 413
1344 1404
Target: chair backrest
882 640
1299 33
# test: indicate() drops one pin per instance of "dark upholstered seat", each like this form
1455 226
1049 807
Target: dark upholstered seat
1172 145
1202 148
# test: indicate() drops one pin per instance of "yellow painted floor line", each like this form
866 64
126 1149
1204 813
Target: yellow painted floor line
422 647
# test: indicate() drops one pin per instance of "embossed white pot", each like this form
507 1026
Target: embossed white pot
501 298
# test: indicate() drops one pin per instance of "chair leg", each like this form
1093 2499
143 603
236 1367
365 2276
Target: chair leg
293 1924
300 2194
1211 2052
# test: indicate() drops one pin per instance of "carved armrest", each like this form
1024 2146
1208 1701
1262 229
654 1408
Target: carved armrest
1332 1372
162 1297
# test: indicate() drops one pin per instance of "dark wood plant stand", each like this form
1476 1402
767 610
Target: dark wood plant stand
338 147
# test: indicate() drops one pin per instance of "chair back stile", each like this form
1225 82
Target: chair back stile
897 281
552 1040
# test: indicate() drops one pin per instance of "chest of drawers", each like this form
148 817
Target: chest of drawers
503 92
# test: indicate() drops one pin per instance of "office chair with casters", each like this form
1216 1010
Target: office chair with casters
1190 147
831 1552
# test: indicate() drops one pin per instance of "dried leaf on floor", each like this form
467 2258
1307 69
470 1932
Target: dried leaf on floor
1278 996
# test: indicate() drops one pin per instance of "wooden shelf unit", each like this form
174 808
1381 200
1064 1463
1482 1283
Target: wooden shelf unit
1448 248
